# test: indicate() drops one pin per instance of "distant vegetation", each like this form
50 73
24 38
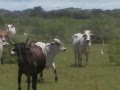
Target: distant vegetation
114 52
43 25
63 23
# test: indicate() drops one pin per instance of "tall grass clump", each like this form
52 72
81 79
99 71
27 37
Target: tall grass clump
7 56
114 52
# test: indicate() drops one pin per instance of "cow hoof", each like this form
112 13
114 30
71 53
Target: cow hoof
75 65
79 65
40 80
56 79
19 88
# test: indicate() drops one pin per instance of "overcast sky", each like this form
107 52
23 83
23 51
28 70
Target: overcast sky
55 4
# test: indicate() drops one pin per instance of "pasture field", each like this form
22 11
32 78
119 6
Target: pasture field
98 75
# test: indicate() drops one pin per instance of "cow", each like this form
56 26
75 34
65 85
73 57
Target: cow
11 30
1 51
81 45
50 50
4 37
3 42
32 60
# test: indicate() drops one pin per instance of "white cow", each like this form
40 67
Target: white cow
11 30
81 44
50 50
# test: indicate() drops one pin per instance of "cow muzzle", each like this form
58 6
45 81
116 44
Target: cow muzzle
63 49
12 51
88 41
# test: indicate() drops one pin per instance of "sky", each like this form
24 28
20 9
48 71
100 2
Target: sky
59 4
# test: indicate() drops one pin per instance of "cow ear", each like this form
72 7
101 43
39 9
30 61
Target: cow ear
52 43
12 43
84 35
92 35
76 36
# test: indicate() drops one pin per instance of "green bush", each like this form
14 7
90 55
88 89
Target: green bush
7 56
114 52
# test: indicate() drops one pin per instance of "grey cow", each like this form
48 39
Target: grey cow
81 44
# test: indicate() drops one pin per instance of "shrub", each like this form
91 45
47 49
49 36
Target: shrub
114 52
7 57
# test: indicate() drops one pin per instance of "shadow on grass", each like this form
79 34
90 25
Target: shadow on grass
43 82
73 65
112 65
47 82
95 65
104 65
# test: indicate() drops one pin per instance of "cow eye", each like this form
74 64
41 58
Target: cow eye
92 36
84 35
58 44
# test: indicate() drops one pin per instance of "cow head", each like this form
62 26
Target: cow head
17 47
4 37
10 28
57 45
20 50
87 36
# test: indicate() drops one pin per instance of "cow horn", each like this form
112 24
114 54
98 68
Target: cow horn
12 43
27 40
26 36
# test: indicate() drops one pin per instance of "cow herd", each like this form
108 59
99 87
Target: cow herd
33 58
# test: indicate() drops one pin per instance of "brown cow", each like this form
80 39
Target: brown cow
4 36
32 60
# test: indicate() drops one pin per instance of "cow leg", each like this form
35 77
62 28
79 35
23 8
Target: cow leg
1 60
75 54
34 82
19 79
40 77
55 71
86 59
28 81
79 59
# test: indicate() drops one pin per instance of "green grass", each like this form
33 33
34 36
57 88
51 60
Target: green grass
98 75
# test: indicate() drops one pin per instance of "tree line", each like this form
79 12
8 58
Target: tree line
63 23
76 13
